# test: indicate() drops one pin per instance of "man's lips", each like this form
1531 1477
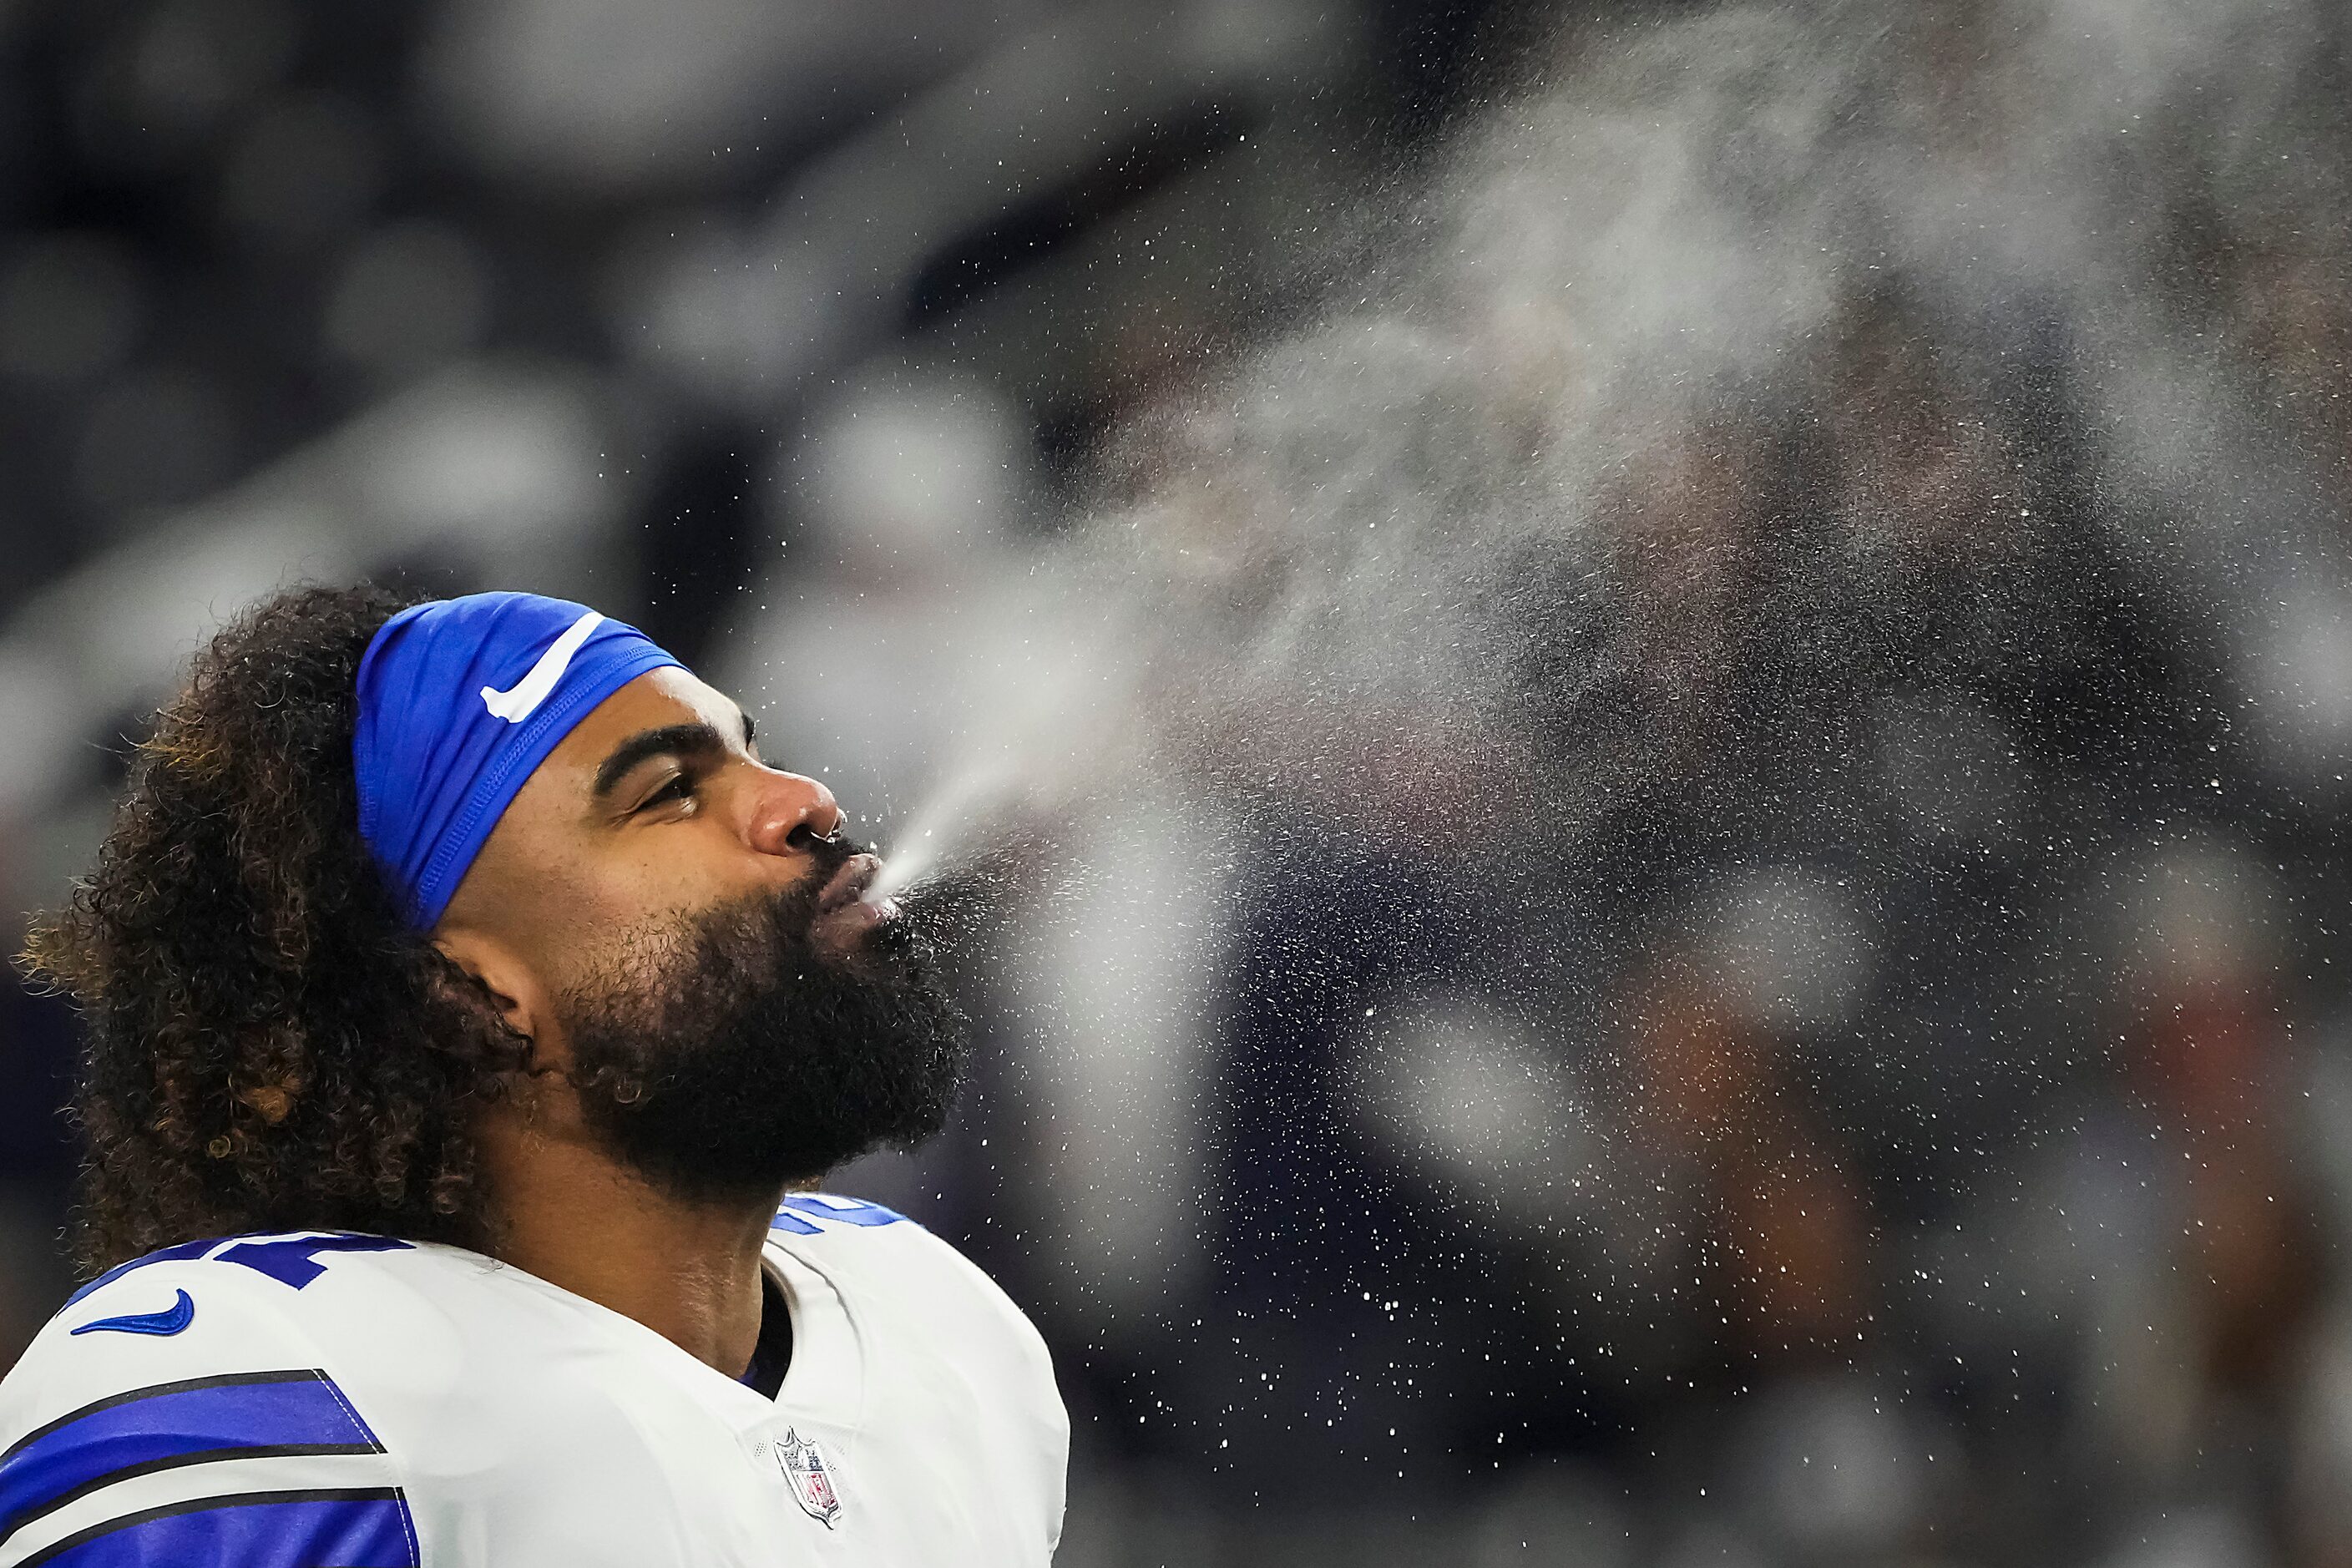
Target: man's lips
845 918
848 884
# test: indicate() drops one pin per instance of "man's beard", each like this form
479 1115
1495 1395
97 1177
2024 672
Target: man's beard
725 1055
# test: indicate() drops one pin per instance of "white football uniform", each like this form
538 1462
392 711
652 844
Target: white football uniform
325 1400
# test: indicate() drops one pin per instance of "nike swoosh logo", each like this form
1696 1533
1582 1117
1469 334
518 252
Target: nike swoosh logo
170 1320
520 701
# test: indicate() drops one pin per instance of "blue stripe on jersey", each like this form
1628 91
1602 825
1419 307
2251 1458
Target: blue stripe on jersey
824 1206
366 1528
248 1415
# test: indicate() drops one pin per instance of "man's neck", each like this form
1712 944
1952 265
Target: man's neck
690 1272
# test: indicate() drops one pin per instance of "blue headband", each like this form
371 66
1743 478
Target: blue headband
459 700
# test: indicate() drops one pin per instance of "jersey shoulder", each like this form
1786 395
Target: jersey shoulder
892 1266
184 1407
838 1235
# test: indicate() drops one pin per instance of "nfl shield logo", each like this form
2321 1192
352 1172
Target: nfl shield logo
811 1484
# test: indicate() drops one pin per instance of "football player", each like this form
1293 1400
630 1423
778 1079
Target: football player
470 1009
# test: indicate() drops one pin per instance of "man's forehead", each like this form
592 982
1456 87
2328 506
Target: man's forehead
655 699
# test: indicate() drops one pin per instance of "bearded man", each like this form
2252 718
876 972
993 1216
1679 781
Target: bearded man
470 1010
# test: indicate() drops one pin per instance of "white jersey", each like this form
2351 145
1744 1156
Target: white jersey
325 1400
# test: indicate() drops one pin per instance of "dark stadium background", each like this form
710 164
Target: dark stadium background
2039 1251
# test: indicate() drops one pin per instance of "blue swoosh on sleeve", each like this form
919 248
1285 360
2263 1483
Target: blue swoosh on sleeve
171 1319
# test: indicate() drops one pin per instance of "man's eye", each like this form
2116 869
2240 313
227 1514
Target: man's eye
679 788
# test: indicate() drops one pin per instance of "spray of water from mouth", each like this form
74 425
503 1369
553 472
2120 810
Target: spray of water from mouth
1492 500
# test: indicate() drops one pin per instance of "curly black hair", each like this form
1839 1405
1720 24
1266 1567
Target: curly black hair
269 1046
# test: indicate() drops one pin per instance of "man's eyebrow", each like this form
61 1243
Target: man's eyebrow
681 739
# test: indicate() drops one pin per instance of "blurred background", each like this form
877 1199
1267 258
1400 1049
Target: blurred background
1676 680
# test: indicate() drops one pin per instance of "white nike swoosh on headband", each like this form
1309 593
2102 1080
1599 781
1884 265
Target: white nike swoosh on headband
522 699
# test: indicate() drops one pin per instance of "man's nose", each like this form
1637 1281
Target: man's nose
789 811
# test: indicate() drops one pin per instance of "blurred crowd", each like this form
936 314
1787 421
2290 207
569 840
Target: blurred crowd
1857 1074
